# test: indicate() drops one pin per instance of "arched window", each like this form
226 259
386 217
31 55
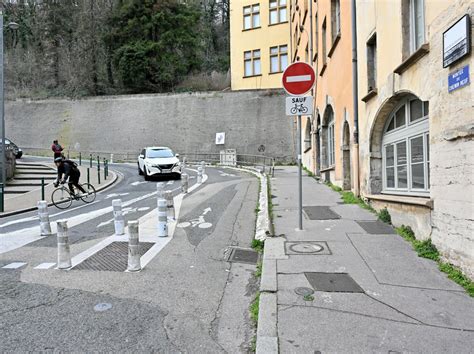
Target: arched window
405 149
307 135
330 140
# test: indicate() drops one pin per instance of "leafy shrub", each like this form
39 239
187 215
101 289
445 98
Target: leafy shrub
384 216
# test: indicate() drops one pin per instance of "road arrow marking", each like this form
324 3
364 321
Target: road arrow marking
207 210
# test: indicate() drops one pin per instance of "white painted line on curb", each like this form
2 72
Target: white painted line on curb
45 266
14 265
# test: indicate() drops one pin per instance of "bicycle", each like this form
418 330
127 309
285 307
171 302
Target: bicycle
62 198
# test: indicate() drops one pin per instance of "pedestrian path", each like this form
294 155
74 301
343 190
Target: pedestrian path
348 283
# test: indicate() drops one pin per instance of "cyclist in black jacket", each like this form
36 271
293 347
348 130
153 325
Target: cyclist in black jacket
71 174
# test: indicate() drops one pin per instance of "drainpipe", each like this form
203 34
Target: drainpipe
355 96
313 90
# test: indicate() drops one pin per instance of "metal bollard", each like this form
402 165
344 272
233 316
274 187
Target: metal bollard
133 247
170 204
98 175
64 253
42 189
159 189
2 197
88 176
184 182
162 218
199 177
119 221
80 159
90 160
98 162
203 166
43 215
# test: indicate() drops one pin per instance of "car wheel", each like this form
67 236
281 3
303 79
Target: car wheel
140 172
18 155
147 178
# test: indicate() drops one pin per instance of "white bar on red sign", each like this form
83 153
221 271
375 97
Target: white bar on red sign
298 78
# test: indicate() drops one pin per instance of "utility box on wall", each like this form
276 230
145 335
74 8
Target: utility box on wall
228 157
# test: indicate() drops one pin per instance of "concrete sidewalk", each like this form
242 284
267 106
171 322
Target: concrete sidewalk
15 204
366 289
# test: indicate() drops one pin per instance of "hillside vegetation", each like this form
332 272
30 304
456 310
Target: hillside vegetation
77 48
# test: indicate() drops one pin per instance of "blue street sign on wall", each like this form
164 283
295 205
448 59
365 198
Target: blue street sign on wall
458 79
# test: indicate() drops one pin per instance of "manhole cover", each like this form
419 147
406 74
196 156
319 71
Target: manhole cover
320 213
113 257
102 307
307 247
304 291
376 227
333 282
240 255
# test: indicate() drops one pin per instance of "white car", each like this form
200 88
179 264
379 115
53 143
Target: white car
158 161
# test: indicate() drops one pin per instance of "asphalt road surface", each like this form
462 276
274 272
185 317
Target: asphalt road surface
188 298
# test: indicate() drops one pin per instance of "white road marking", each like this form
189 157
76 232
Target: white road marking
14 265
148 233
170 183
16 239
137 183
45 266
298 78
114 195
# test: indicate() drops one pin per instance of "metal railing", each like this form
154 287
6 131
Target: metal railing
265 163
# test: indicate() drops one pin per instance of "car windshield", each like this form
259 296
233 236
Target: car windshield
154 153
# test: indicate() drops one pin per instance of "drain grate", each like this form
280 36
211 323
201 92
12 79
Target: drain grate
113 257
240 255
307 247
333 282
376 227
320 213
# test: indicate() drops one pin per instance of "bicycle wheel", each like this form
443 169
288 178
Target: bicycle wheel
89 197
61 198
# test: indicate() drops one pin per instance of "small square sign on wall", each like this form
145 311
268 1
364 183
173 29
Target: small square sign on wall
220 138
458 79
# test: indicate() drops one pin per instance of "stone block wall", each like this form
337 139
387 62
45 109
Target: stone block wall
252 120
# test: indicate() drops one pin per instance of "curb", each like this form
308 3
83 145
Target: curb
267 331
21 211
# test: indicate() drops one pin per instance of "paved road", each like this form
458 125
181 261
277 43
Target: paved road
188 297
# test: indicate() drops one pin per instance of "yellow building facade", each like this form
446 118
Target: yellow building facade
259 43
321 37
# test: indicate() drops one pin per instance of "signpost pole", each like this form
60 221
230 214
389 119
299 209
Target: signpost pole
300 178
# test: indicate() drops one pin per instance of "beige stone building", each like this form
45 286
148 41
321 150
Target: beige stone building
259 43
321 37
416 138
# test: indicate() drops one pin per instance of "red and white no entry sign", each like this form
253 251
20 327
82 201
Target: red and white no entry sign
298 78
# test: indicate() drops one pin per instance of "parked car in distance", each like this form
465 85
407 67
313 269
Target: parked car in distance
158 161
16 150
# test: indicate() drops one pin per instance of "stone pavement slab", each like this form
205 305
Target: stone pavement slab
407 304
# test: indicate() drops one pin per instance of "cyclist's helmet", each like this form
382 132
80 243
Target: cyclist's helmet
58 159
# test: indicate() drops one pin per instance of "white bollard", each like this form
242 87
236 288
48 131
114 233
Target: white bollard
199 178
162 218
43 215
111 158
170 204
184 182
64 252
160 186
203 166
133 247
119 222
183 164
